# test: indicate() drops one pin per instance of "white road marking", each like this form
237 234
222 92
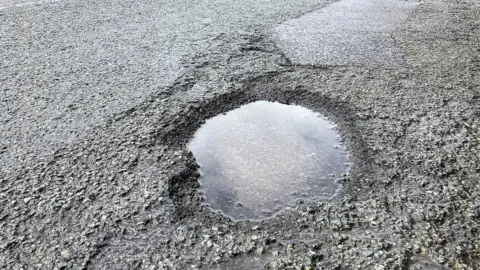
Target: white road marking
16 4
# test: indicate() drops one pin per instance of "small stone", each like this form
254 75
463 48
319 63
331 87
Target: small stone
260 250
65 254
273 265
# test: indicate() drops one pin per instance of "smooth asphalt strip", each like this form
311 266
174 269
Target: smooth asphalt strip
348 32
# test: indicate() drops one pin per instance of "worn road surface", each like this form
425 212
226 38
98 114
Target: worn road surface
99 99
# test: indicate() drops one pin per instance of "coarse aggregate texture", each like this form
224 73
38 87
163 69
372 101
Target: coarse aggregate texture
122 193
68 66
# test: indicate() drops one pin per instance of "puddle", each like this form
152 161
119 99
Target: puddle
265 156
347 32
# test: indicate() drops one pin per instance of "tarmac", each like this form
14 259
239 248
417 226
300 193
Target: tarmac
100 98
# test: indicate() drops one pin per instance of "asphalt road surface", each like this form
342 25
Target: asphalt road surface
99 99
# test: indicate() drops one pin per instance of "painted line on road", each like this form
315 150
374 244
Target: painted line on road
32 3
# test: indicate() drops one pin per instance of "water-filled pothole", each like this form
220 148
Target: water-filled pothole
265 156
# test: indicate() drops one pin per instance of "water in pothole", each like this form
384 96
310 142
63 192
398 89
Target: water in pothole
265 156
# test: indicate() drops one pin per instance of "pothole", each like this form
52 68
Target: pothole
265 156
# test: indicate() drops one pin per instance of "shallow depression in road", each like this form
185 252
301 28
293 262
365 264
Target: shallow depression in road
265 156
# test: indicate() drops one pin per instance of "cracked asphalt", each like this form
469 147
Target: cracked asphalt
100 98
